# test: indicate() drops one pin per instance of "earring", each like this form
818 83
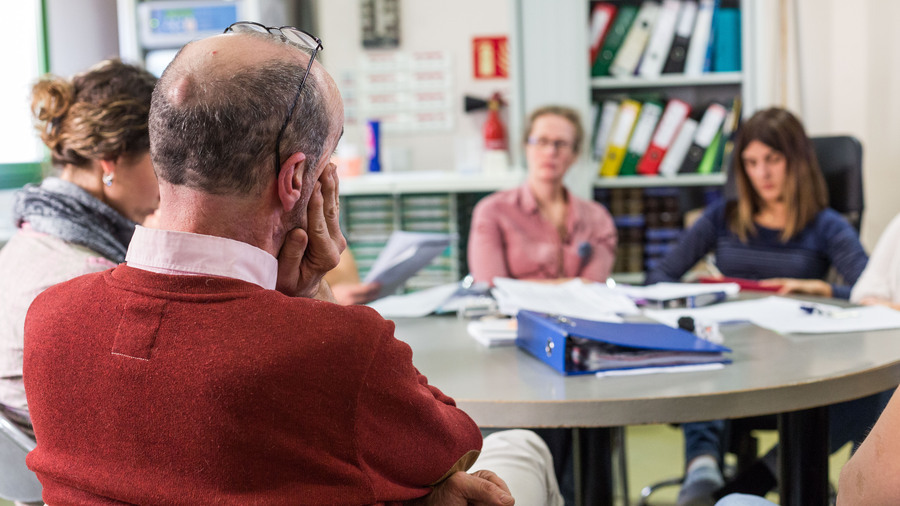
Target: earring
108 179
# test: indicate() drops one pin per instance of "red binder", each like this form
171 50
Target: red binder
745 284
674 115
601 19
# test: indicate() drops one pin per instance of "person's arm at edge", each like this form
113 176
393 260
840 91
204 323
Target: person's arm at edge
874 284
486 249
870 476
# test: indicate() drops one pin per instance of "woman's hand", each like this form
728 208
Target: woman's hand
804 286
348 294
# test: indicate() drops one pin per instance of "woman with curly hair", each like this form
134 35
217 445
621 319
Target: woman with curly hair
81 220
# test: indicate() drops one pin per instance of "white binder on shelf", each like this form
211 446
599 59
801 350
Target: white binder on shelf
626 60
679 148
661 40
695 60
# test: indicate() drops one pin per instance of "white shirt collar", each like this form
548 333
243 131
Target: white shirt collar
184 253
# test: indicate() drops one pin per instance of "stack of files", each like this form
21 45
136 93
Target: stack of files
491 331
590 301
787 316
575 346
653 37
677 295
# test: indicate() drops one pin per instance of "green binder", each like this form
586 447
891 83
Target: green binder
707 164
612 43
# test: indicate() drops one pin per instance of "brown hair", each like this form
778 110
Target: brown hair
558 110
100 114
221 138
805 194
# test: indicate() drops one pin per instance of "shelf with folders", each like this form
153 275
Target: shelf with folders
667 80
669 39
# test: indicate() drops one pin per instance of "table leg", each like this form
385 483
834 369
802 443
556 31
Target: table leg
803 457
594 466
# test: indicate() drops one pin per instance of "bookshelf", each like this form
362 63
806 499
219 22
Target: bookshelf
374 205
648 209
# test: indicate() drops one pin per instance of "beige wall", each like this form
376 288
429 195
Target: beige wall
425 25
850 83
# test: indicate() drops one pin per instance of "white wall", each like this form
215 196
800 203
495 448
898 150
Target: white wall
425 25
80 33
849 83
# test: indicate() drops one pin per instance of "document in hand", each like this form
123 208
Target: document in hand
575 346
404 255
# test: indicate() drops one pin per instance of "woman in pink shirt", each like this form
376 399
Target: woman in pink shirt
540 230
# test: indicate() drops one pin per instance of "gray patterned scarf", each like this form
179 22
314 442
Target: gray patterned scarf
68 212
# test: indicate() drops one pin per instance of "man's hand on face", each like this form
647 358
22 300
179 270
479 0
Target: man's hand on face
308 254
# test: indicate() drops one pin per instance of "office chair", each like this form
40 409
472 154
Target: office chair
17 482
840 159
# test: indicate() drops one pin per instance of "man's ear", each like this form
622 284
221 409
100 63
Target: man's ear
290 180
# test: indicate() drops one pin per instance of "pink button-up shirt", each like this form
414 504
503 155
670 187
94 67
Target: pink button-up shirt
510 238
183 253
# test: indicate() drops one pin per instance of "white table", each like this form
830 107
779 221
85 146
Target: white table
792 376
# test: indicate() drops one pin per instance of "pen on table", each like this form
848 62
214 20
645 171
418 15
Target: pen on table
815 309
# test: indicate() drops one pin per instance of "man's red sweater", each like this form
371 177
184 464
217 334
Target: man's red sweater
158 389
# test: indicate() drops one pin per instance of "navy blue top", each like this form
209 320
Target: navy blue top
827 240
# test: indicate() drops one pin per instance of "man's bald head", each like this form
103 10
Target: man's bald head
218 107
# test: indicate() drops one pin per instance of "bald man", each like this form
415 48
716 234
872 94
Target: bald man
212 367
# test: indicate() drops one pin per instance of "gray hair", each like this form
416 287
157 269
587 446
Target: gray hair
220 137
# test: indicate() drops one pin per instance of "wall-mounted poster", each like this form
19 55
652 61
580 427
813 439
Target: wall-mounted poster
380 20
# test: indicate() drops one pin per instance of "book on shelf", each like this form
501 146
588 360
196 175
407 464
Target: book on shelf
629 55
726 54
706 132
620 133
674 156
698 47
660 40
651 111
673 116
607 111
602 15
683 30
616 35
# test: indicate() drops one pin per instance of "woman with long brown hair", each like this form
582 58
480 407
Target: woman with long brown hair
81 220
780 231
